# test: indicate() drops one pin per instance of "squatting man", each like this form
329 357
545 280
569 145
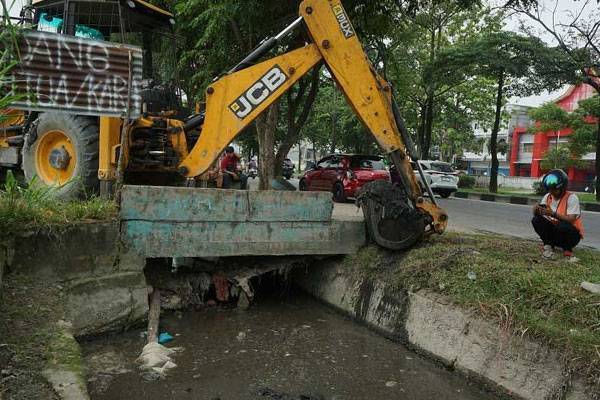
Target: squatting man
557 219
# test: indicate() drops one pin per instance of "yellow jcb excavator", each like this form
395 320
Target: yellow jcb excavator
396 215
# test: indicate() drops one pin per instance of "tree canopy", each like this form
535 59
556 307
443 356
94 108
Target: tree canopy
509 59
450 63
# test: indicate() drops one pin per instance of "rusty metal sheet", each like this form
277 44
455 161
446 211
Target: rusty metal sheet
77 75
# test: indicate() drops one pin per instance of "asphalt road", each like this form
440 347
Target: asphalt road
506 219
481 216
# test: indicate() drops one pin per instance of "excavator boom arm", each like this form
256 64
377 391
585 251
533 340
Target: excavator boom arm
238 98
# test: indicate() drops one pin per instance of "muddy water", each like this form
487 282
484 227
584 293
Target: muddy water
280 349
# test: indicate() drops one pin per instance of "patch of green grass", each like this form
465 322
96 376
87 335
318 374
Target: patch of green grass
587 197
36 207
64 352
504 279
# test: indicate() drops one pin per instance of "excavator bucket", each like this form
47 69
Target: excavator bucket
390 220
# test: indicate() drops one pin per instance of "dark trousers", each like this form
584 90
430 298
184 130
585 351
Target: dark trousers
563 235
227 180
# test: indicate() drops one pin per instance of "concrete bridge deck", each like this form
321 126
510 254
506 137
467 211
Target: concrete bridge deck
191 222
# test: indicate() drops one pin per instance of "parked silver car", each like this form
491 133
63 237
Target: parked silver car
442 179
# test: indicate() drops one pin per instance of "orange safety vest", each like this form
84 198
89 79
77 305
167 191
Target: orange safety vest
562 209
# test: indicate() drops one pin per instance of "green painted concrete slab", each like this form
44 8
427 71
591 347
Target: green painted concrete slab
223 239
148 203
272 205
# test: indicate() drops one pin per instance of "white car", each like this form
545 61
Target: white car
442 179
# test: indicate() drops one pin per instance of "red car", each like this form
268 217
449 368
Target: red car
344 174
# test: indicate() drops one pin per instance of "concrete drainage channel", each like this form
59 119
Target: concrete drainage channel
105 291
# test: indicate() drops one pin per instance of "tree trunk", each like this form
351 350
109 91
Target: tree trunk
147 64
332 142
430 90
428 127
421 129
300 156
282 152
295 123
494 139
266 126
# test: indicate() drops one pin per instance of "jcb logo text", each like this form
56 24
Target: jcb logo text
258 92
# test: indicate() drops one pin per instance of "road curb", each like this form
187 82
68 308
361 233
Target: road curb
592 207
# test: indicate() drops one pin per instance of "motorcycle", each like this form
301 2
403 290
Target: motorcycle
252 170
252 173
288 168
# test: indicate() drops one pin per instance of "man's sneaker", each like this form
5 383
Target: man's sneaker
548 252
570 257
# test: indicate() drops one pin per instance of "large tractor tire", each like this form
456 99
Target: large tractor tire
62 153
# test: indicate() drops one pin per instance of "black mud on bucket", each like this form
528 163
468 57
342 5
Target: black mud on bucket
392 221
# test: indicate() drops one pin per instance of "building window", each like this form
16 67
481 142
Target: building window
555 141
527 148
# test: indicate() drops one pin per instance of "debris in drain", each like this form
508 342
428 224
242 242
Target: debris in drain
275 395
243 301
165 338
155 359
221 287
591 287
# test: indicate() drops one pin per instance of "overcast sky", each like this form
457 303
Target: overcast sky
15 6
553 12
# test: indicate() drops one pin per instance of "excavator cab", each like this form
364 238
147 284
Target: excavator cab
132 22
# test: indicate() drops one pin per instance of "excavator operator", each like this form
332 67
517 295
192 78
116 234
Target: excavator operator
229 169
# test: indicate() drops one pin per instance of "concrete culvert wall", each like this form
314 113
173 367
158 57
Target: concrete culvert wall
429 323
103 283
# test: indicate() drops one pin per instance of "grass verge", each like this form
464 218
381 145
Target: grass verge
583 197
35 208
505 280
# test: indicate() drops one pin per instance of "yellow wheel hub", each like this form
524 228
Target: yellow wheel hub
55 158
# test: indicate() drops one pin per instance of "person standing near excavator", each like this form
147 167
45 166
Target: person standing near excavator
557 219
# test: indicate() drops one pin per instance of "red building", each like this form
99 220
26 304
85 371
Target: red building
528 149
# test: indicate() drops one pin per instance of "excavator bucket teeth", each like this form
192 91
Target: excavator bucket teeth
392 222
